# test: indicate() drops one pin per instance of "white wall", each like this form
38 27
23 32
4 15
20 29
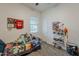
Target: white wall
17 11
66 13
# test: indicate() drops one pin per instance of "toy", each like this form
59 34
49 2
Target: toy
28 46
21 40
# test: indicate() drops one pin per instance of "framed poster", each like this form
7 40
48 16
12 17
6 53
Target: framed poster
10 23
19 24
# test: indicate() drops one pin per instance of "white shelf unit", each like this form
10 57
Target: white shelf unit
59 38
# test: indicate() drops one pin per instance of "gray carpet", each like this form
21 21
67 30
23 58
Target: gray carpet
48 50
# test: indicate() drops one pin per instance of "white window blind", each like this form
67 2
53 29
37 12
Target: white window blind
33 25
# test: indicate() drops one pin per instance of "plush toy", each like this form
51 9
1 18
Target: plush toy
21 40
9 45
8 48
15 50
28 46
65 30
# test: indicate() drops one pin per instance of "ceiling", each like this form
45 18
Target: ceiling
41 6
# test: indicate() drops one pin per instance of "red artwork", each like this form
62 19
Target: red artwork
19 24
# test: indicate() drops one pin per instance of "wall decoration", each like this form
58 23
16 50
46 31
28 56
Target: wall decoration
19 24
10 23
14 23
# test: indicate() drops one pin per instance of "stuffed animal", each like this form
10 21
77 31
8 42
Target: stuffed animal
28 46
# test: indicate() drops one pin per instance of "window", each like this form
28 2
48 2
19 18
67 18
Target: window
33 25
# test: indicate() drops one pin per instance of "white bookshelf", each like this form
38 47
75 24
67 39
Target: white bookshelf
59 38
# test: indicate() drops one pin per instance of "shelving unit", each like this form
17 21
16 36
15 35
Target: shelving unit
59 35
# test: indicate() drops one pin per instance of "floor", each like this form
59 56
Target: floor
48 50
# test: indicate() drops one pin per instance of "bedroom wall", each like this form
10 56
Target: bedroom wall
17 11
66 13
